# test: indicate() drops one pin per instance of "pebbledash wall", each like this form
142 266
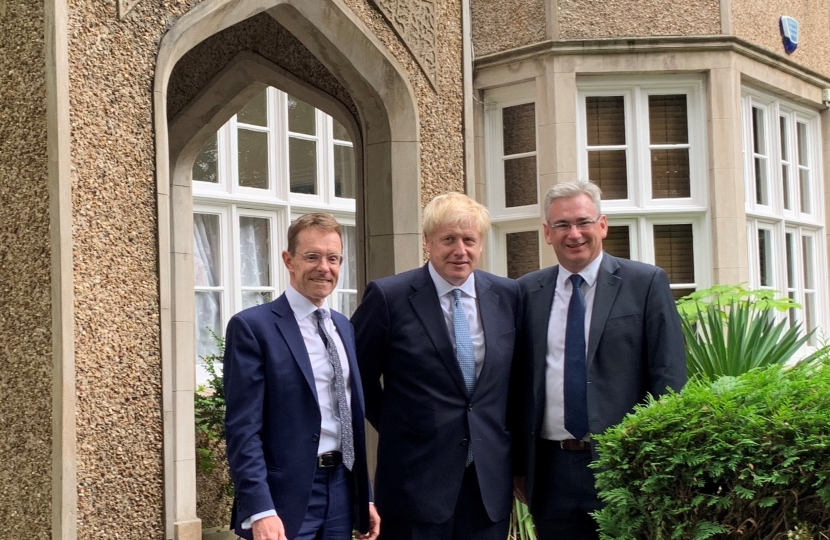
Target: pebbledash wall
82 378
25 266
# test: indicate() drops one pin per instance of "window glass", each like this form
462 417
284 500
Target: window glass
340 132
759 139
255 112
519 129
805 182
786 169
810 296
205 168
606 120
608 169
206 250
668 125
255 251
344 171
302 160
252 158
520 187
765 257
667 119
618 241
301 117
674 252
347 285
670 173
522 253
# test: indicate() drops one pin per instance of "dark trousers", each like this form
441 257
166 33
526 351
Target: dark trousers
329 513
564 493
468 522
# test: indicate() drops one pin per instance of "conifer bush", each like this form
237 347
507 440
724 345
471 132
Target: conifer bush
745 457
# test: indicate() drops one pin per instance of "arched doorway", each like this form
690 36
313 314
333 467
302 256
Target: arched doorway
385 130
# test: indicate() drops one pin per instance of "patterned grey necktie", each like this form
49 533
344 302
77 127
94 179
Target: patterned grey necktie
345 415
464 352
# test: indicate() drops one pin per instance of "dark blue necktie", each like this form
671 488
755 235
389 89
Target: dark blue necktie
576 371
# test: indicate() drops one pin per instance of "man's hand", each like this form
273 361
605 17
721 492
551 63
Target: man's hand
269 528
519 488
374 525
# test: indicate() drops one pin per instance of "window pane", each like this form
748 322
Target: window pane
803 148
804 180
255 112
785 158
520 182
668 123
253 158
254 298
255 251
670 173
301 117
606 120
807 256
789 240
680 293
206 250
607 169
302 160
348 302
340 132
208 318
618 241
759 137
205 167
803 168
760 161
674 252
348 271
519 127
810 317
765 257
522 253
344 171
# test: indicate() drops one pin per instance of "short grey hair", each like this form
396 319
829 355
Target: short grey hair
574 188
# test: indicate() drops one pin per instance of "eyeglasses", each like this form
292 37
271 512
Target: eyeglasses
315 258
565 226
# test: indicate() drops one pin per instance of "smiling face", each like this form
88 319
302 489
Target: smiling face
454 251
575 248
316 280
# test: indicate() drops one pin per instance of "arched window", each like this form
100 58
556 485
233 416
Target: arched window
277 159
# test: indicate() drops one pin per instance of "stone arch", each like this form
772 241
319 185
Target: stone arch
388 135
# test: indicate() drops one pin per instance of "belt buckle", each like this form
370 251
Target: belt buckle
325 461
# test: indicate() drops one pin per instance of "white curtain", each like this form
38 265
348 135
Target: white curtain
206 259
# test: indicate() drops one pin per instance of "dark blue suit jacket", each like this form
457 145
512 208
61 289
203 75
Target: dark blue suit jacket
635 344
272 421
423 413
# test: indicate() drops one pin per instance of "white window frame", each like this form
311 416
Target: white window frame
775 216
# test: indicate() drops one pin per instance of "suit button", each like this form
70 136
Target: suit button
470 407
463 442
315 437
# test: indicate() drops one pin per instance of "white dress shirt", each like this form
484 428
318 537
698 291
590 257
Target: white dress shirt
468 300
553 420
323 374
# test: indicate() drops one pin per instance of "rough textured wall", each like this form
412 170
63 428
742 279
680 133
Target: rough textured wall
262 35
25 283
757 21
441 113
118 365
500 25
585 19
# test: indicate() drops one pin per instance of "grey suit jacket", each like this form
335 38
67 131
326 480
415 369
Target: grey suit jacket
635 344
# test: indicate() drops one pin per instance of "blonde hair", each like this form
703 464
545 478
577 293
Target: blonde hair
455 209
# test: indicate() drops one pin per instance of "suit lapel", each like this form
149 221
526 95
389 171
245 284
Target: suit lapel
290 330
488 304
425 302
541 302
608 285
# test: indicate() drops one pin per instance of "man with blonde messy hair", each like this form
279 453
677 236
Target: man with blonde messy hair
442 337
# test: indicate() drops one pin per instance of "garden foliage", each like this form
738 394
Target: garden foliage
209 405
744 457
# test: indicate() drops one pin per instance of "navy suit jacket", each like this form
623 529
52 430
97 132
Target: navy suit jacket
423 413
272 419
635 344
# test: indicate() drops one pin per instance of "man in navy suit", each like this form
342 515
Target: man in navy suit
599 334
294 404
442 338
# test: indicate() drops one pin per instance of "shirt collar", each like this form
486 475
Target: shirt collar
302 306
444 287
589 273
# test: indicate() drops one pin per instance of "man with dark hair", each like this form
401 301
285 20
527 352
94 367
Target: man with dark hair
294 404
599 334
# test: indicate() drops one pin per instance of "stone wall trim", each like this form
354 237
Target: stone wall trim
64 481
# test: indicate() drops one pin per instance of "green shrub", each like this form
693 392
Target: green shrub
209 405
730 330
745 457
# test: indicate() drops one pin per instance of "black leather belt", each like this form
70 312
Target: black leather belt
571 445
329 459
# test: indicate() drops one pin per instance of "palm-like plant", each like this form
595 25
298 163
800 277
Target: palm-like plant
730 330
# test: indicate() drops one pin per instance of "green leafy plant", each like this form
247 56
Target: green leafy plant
521 524
742 458
209 404
730 330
